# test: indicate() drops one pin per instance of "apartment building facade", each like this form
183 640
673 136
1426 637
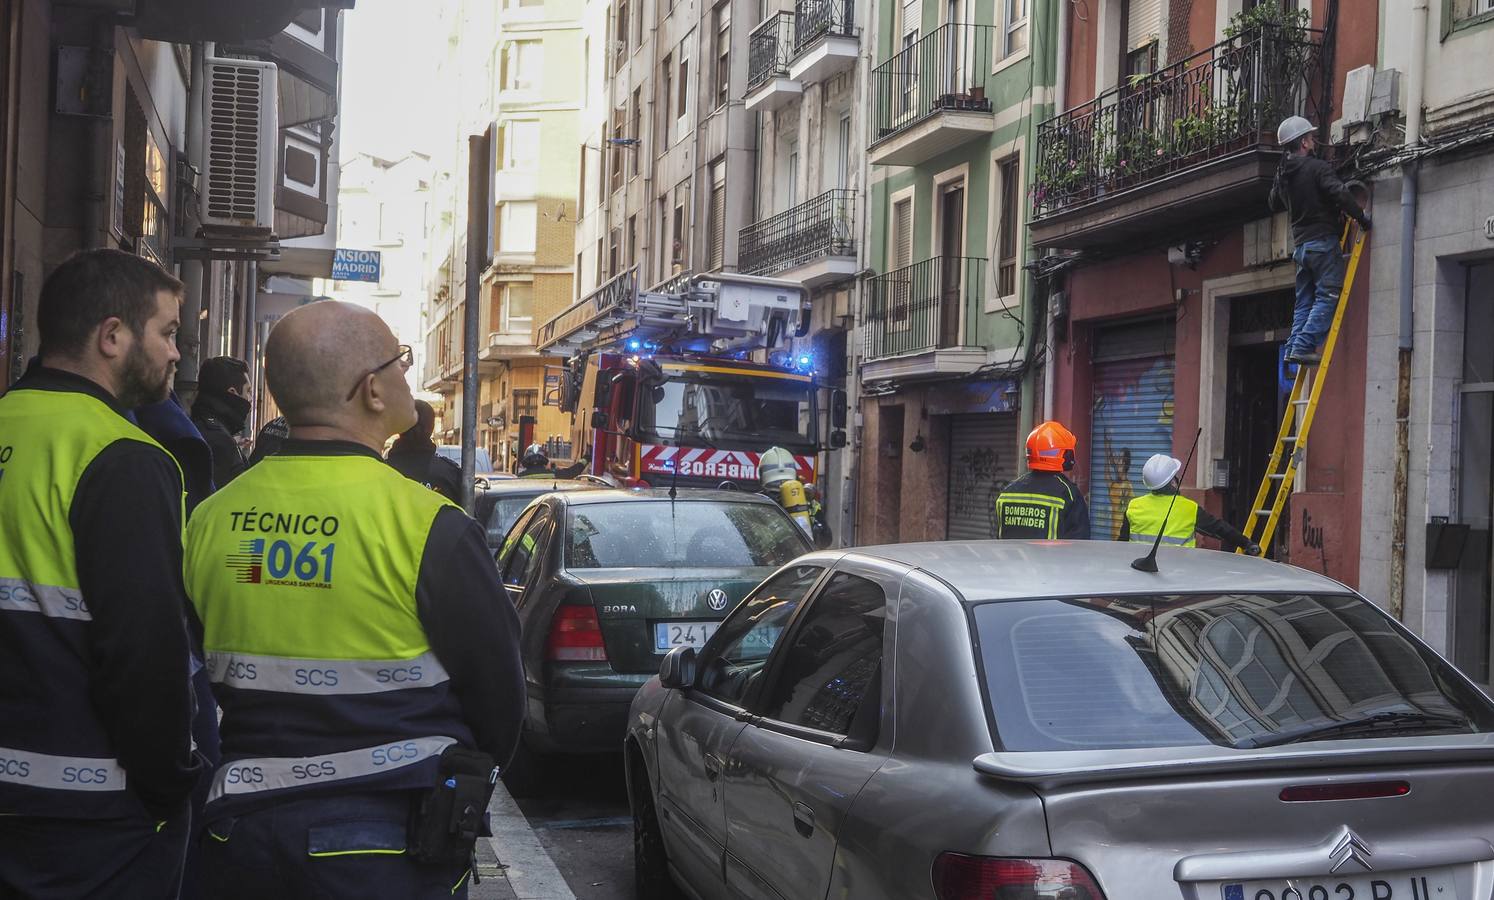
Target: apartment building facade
949 323
513 70
1176 282
106 151
1428 389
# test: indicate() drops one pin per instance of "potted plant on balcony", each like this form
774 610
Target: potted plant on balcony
1282 40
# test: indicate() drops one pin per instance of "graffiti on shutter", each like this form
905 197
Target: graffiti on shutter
983 459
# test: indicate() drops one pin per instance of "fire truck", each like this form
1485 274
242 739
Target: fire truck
689 384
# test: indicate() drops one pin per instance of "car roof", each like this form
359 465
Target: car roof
1012 570
683 495
536 485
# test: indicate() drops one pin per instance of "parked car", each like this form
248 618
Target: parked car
453 452
1004 719
501 500
607 581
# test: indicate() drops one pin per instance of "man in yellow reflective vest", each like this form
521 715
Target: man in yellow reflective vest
96 760
357 637
1148 514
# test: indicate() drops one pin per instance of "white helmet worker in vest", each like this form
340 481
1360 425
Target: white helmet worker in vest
1148 515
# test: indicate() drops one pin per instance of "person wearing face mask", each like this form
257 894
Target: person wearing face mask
96 758
220 413
364 653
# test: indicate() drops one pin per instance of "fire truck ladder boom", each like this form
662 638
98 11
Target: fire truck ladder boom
723 312
1302 406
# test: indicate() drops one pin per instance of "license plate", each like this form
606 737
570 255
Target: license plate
1429 884
668 635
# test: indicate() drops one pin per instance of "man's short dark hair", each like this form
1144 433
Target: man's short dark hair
1295 144
94 285
220 374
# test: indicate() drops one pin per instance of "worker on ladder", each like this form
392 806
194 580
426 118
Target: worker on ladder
1148 514
1309 190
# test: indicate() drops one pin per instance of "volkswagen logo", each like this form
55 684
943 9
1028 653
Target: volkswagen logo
717 599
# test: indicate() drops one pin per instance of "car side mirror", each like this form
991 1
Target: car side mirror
839 409
599 419
837 439
677 671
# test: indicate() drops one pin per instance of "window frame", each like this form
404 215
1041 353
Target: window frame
1451 24
535 563
995 300
711 650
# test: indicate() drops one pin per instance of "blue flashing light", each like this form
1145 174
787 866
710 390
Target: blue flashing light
634 345
806 362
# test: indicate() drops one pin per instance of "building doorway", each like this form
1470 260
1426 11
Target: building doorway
1255 400
886 498
951 261
1473 624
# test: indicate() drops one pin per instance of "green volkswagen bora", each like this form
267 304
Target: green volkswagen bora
606 582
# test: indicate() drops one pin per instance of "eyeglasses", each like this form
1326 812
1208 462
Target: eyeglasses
406 359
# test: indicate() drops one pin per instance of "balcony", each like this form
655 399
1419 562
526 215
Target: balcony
920 321
814 243
825 41
506 345
1189 146
931 97
770 49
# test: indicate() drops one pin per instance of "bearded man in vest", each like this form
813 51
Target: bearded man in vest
356 634
96 758
1174 516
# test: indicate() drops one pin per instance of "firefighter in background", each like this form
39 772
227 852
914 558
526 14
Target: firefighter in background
1044 504
535 463
1148 514
779 476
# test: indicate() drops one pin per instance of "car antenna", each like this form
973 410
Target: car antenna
1148 563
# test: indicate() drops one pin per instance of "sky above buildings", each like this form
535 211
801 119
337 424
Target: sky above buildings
389 76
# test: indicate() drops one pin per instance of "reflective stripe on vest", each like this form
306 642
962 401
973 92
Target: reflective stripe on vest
324 676
61 773
248 776
1050 509
1147 512
20 595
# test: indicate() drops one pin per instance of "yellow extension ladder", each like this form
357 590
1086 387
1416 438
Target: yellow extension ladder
1307 388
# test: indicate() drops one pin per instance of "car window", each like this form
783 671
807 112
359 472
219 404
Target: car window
505 512
738 650
1237 670
693 534
522 549
834 659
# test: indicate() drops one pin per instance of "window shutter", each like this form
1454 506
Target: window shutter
902 223
718 227
912 17
1143 23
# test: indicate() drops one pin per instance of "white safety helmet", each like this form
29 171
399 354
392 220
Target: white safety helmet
1291 128
776 466
1159 471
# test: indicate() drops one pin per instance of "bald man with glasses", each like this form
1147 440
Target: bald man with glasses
363 651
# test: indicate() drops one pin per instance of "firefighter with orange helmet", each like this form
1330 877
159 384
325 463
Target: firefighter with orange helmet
1044 504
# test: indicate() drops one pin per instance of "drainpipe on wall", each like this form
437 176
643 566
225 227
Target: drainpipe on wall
854 445
1399 512
1060 103
188 339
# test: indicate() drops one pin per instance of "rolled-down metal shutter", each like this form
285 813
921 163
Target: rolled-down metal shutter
1133 407
983 459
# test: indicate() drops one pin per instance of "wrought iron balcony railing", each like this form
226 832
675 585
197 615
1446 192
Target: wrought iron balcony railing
930 305
945 70
824 226
814 19
1221 101
770 49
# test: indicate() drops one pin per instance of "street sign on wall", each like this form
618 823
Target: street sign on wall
355 265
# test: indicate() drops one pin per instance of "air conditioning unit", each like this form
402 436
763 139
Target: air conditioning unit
241 135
